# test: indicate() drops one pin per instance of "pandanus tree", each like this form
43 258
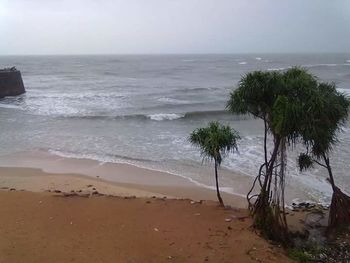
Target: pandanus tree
215 142
278 99
327 115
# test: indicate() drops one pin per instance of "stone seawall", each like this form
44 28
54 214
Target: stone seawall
11 83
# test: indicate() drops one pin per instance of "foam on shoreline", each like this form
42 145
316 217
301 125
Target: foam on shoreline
62 172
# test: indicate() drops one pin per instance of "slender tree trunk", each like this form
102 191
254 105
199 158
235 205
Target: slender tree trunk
217 184
265 144
269 172
262 175
330 173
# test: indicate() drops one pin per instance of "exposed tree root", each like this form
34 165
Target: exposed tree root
339 214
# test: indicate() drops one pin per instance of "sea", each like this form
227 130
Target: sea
140 110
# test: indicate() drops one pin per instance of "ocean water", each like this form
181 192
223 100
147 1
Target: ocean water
140 109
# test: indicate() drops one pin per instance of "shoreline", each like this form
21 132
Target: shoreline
132 176
99 196
42 172
124 179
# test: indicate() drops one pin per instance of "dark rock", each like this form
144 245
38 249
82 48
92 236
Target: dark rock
12 189
130 197
11 83
242 218
57 191
70 194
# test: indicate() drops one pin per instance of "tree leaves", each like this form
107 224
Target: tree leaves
305 162
215 141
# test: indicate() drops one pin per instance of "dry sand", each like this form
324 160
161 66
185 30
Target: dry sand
46 227
57 216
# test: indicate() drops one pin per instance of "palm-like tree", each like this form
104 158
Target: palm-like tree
327 115
215 142
280 99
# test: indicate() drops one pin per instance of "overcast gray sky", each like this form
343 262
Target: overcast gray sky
173 26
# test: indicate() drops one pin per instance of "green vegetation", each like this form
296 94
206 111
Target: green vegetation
279 99
294 107
299 255
327 115
215 142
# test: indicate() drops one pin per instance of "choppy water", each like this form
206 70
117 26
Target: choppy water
141 109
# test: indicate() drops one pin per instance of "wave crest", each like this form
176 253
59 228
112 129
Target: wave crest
165 116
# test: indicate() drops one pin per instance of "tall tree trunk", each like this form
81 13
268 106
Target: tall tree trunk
267 212
217 184
262 175
265 144
264 195
329 169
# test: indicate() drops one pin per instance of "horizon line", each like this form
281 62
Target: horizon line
174 54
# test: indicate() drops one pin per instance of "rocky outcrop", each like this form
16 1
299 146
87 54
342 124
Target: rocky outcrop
11 83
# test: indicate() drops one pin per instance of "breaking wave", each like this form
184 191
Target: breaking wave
165 116
161 116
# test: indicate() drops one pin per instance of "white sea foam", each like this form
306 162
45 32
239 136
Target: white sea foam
242 63
346 91
165 116
10 106
105 159
310 66
320 65
172 101
275 69
257 58
32 94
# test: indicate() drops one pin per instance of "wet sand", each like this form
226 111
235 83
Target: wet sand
39 171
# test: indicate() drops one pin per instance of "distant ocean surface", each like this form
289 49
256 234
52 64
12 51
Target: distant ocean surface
140 110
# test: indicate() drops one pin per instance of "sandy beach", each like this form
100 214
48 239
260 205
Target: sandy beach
174 131
38 172
147 216
47 227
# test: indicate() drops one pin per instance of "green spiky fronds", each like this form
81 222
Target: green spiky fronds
215 141
305 161
256 94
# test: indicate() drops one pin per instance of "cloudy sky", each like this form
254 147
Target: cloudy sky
173 26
